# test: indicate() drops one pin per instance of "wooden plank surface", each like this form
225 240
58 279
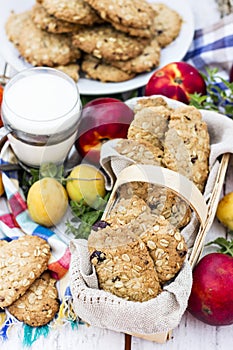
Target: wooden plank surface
190 334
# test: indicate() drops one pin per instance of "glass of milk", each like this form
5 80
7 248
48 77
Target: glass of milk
41 109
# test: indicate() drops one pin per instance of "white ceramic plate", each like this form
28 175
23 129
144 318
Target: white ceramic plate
174 52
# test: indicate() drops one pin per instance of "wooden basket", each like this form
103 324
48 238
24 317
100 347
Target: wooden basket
189 193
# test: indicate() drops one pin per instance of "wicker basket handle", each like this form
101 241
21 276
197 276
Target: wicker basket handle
172 180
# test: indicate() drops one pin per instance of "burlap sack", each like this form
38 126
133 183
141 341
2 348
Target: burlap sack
163 313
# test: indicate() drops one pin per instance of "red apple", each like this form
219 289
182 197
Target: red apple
231 74
211 299
102 119
176 80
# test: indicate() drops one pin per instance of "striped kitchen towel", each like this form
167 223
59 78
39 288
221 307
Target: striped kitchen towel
15 222
213 47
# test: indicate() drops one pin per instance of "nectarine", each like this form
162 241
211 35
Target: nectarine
102 119
176 80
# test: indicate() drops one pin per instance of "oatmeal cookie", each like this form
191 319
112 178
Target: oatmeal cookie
138 32
140 152
167 248
160 200
148 59
98 70
105 42
14 25
131 13
2 243
151 101
123 264
70 69
49 23
167 24
137 198
22 261
187 145
150 124
41 48
39 304
74 11
164 202
165 244
126 210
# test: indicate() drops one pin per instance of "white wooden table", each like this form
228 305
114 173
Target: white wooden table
190 334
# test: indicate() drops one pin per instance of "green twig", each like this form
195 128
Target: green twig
226 246
217 98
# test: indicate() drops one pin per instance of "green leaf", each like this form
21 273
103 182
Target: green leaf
217 98
91 217
80 230
78 208
226 246
85 216
48 170
100 203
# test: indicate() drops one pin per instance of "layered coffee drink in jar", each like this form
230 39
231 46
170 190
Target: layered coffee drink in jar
41 110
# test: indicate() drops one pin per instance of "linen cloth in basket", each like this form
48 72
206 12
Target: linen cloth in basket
163 313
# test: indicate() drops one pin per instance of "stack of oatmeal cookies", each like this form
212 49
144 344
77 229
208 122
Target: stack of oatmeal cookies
140 247
26 288
110 41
